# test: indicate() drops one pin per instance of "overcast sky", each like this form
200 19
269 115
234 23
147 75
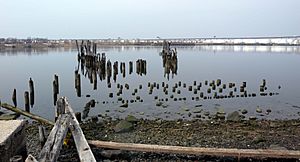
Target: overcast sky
148 18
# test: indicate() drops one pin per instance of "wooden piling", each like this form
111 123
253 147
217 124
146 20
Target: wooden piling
130 67
31 92
54 92
14 97
26 96
57 83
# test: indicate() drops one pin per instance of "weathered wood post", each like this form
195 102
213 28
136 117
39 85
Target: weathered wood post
57 83
42 136
31 92
14 97
26 96
54 93
60 108
130 67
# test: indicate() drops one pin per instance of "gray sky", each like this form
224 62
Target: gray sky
148 18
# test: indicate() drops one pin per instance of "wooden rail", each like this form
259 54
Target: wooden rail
25 113
220 152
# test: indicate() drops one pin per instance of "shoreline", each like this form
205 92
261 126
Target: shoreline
259 134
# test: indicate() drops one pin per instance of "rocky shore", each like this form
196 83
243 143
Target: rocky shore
245 134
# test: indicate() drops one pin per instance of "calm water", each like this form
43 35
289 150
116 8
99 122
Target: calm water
279 66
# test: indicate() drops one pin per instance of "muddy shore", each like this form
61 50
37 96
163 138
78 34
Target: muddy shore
263 134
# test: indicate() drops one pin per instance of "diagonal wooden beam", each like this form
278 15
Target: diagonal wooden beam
52 147
84 151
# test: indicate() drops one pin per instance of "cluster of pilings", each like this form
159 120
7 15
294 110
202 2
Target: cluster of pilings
141 67
170 64
93 64
180 91
28 97
169 58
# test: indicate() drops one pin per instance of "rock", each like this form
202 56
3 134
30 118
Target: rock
131 118
277 147
198 105
244 111
88 95
123 126
186 109
159 103
220 116
164 105
206 113
252 118
121 110
198 116
9 116
110 153
159 121
258 110
197 111
94 118
234 116
92 103
124 105
220 111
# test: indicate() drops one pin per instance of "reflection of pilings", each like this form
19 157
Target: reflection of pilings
31 92
77 84
102 66
115 67
26 97
122 67
141 67
94 75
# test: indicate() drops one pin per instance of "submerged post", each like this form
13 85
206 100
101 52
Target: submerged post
14 97
26 96
31 90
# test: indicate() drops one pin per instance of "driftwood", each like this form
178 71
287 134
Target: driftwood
83 148
254 153
51 149
30 115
